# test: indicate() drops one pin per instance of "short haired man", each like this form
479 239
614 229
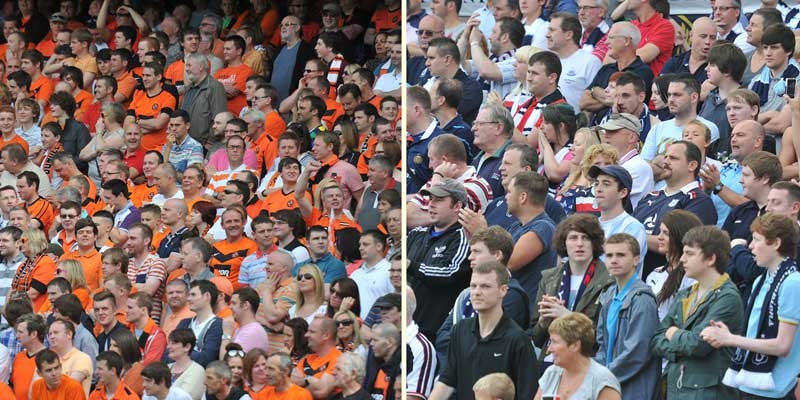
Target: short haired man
430 27
152 340
315 371
492 132
319 246
372 277
544 73
705 256
510 348
205 96
180 149
11 257
628 97
249 333
286 224
703 35
379 176
592 15
233 76
166 179
177 306
76 364
533 232
109 378
422 128
228 253
105 310
578 67
31 331
778 45
440 246
279 293
86 253
760 170
444 61
116 197
15 159
146 271
622 49
219 382
202 296
292 56
628 320
157 383
54 384
493 68
682 192
492 244
253 269
41 210
151 108
383 361
727 15
278 371
683 95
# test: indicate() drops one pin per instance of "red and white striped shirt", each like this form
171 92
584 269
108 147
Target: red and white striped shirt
479 193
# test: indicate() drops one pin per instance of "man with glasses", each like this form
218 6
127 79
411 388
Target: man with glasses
235 154
292 56
430 27
181 150
313 68
591 14
726 15
70 211
623 40
492 131
265 99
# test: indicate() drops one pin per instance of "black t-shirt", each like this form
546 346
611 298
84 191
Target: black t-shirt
359 395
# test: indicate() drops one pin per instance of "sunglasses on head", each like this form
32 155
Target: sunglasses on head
236 353
305 277
344 322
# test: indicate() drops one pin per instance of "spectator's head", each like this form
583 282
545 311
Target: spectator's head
506 35
630 93
496 386
328 45
784 199
446 148
443 58
493 126
747 137
774 238
114 260
742 105
591 13
156 379
760 170
349 96
418 109
48 366
571 335
726 61
726 15
488 286
682 162
196 68
526 189
490 244
580 238
430 27
758 23
544 70
623 40
682 96
321 334
511 8
447 198
778 43
704 34
564 32
202 295
518 157
446 9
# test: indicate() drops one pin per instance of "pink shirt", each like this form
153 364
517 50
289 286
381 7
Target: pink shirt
219 160
252 336
348 178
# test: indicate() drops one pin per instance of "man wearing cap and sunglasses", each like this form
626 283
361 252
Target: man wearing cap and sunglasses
612 192
438 268
622 132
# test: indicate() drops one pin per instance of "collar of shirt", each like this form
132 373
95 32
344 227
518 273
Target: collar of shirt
427 132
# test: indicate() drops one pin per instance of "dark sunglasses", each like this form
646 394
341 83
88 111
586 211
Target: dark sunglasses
236 353
344 322
231 192
305 277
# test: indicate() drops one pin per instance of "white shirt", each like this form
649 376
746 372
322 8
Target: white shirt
373 282
175 393
578 71
159 199
538 31
642 175
667 132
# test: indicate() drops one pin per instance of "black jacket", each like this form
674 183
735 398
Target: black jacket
507 349
74 139
438 270
304 53
390 368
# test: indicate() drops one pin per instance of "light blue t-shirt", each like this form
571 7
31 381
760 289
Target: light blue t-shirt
729 175
786 368
625 223
667 132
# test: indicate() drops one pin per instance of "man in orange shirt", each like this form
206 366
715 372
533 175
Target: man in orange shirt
315 371
177 306
41 86
7 135
147 44
47 45
79 42
283 198
280 387
41 210
228 254
109 372
150 108
265 146
174 73
120 58
152 340
87 254
265 99
30 330
54 384
235 74
365 80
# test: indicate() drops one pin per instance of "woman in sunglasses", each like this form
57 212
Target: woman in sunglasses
343 297
234 357
310 294
348 334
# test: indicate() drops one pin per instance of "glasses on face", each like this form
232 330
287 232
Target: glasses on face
308 71
586 8
344 322
236 353
305 277
68 216
722 8
257 98
425 32
231 192
484 122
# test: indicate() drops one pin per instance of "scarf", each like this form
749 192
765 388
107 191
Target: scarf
47 163
752 369
335 68
761 82
22 279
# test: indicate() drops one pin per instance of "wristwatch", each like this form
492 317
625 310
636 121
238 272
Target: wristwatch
718 188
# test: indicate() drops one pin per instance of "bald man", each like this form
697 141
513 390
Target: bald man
173 215
694 62
430 27
166 179
278 290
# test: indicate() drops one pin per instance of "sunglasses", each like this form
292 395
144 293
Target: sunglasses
231 192
305 277
344 322
236 353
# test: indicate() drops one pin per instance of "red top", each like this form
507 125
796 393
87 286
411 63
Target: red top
660 32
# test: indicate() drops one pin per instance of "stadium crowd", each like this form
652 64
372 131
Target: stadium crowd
602 202
200 200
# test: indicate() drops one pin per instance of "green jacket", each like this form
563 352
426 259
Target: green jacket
588 304
695 369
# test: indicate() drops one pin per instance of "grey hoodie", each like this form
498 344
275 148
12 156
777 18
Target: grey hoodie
634 365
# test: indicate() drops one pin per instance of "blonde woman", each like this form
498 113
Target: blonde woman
310 294
348 333
33 276
576 195
72 271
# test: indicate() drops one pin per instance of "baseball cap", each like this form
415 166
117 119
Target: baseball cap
388 301
447 188
333 8
223 285
622 121
620 174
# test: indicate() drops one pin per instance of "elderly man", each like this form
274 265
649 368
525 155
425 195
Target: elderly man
15 161
726 17
592 15
279 386
204 97
292 56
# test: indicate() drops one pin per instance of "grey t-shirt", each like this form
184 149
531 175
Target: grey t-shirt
284 63
597 378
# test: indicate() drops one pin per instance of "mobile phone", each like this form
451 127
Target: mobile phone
791 85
